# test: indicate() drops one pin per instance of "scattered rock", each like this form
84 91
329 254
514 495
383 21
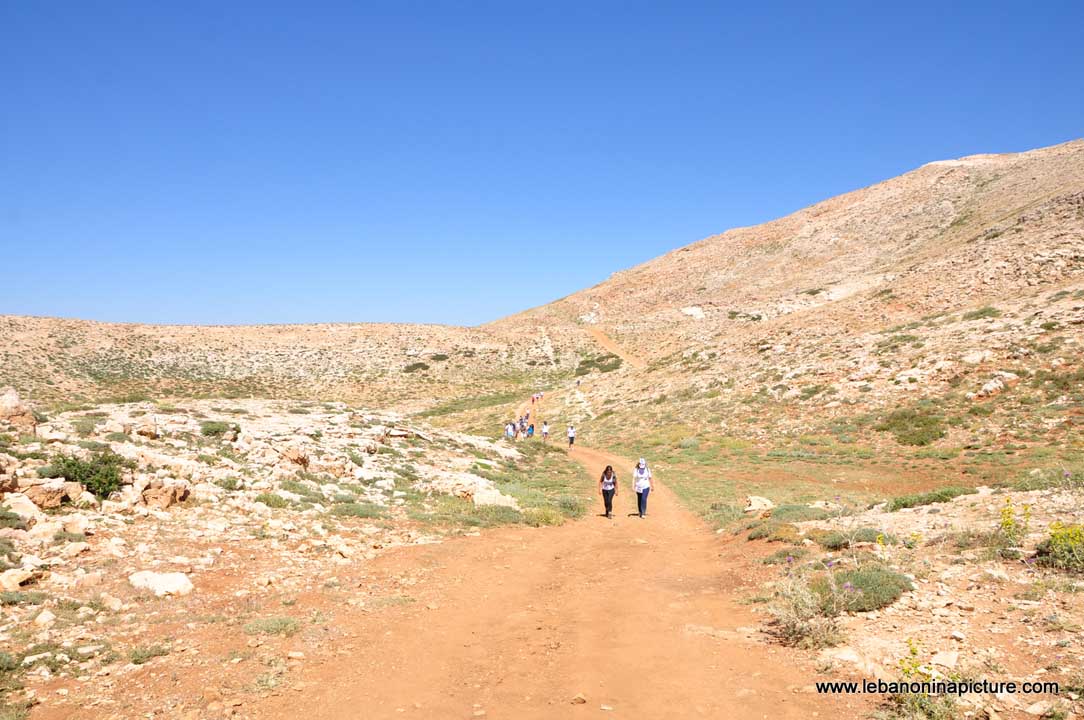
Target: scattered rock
161 583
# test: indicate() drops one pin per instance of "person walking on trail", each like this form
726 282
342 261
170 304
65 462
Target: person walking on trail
545 431
571 436
530 431
641 483
607 486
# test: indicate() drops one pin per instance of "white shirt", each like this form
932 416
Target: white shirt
641 478
572 432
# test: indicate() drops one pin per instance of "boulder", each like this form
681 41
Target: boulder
16 412
148 429
48 495
761 506
161 583
296 456
22 506
161 494
10 580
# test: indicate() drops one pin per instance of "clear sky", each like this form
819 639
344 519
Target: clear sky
251 162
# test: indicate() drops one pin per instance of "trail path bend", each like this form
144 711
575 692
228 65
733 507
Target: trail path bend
641 616
609 344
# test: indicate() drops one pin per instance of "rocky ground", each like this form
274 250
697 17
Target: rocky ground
982 603
233 536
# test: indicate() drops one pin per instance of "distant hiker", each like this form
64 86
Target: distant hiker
509 431
545 431
641 483
530 430
607 485
571 436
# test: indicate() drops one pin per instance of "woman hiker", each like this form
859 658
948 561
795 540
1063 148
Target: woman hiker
641 483
571 436
607 485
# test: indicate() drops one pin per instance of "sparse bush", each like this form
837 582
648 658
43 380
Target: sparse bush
604 363
285 626
438 357
540 516
912 427
101 474
797 615
140 655
939 495
215 428
1064 549
984 312
862 589
272 500
230 483
22 597
8 519
415 367
358 510
786 556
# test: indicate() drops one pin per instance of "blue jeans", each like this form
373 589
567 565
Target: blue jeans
641 500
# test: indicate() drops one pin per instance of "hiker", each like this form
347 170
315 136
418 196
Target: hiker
509 430
607 486
545 431
641 483
571 436
530 431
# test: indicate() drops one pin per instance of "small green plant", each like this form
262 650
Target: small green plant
982 313
939 495
912 427
101 474
415 367
358 510
140 655
1012 529
216 428
231 484
870 587
285 626
272 500
1064 549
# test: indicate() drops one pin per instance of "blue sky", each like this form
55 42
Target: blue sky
252 162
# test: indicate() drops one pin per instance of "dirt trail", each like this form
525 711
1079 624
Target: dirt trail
607 342
641 616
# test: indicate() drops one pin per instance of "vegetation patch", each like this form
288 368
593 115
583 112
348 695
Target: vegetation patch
939 495
285 626
101 474
1063 549
607 362
912 427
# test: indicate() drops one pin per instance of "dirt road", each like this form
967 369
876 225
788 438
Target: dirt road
639 617
608 343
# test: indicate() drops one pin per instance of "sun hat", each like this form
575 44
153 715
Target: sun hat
642 463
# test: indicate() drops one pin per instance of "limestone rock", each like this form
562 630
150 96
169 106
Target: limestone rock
161 583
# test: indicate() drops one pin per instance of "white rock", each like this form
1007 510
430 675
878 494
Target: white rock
161 583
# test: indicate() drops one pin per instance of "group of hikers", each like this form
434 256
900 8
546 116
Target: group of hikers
523 427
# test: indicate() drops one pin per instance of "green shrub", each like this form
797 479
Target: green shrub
415 367
230 483
786 556
604 363
285 626
216 428
984 312
1064 549
101 474
438 357
537 517
912 427
140 655
358 510
272 500
8 519
870 587
939 495
21 597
